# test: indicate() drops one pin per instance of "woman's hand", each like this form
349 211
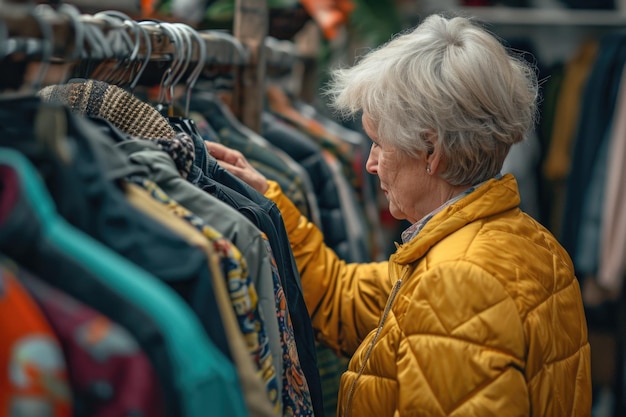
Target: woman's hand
234 162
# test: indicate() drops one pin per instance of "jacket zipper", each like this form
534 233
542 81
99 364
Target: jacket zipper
390 300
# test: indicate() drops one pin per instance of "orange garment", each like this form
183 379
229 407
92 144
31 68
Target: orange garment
148 8
329 15
34 374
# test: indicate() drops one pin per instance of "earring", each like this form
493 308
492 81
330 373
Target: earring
428 169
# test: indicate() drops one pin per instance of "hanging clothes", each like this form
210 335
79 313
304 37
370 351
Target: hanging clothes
565 119
255 395
340 154
598 106
229 222
140 238
263 155
240 287
34 234
309 155
110 374
184 286
266 216
177 155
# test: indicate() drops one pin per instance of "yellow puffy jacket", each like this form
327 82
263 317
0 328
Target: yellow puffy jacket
479 315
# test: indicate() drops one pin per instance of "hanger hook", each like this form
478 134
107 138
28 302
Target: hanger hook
99 49
79 29
124 55
101 42
146 59
177 61
239 54
128 22
187 48
167 75
202 56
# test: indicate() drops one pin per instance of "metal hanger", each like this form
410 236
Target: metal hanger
99 50
131 61
147 54
122 46
193 77
123 49
165 98
186 51
184 123
170 72
79 29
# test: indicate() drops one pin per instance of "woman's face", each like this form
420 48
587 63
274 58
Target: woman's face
403 178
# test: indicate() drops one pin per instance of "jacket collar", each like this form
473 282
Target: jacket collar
493 197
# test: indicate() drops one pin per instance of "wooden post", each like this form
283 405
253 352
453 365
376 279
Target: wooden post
250 27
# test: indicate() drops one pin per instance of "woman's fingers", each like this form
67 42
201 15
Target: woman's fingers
236 163
223 153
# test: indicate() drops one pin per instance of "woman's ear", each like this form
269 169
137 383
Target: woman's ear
433 154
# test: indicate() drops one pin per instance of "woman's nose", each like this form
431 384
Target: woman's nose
372 161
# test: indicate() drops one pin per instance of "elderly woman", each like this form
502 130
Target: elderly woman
478 312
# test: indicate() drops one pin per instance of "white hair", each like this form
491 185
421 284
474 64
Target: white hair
450 78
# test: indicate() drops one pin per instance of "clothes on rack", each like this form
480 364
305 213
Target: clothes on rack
196 297
164 285
585 122
342 213
267 158
193 372
345 162
102 355
582 167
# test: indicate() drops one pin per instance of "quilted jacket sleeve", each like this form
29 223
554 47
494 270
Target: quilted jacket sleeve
333 291
461 351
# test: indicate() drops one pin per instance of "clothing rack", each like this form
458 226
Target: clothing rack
122 48
133 60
